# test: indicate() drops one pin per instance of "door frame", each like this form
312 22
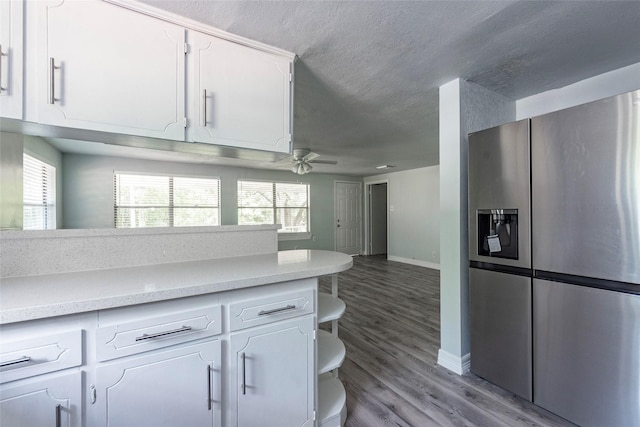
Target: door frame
367 214
335 216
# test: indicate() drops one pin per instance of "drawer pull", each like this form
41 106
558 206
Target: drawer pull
58 415
163 334
277 310
23 359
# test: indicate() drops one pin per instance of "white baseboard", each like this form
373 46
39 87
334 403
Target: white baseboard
412 261
458 365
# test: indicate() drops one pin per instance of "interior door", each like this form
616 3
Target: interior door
348 202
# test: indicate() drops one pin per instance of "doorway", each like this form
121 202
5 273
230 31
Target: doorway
348 217
378 240
377 206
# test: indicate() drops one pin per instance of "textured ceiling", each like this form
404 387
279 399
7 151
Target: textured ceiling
367 78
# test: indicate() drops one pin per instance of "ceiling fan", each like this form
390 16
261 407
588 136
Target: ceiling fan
302 158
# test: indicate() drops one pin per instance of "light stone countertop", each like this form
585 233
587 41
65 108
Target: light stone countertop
37 297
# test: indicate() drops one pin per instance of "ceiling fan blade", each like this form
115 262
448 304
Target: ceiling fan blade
310 156
283 162
324 162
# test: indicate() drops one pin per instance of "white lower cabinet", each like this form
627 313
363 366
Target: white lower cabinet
180 386
273 375
180 362
53 400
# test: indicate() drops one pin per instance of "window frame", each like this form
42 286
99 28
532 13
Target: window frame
282 236
48 187
171 206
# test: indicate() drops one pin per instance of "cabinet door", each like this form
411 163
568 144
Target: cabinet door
242 96
274 375
54 401
178 387
11 64
103 67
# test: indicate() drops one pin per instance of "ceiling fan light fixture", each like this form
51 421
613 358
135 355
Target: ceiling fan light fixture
306 167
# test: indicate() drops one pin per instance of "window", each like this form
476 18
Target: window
39 194
285 203
165 201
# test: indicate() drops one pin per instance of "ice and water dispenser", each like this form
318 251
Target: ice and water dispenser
498 233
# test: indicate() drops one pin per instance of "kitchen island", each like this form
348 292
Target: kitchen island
201 342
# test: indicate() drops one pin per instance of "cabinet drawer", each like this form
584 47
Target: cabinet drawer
128 338
260 311
35 356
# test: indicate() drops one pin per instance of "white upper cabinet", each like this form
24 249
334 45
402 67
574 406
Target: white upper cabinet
241 96
11 47
103 67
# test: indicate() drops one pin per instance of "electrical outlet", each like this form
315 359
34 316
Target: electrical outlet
433 254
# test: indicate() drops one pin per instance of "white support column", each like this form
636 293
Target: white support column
464 107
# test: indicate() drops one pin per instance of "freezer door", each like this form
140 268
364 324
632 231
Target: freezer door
586 189
499 180
500 316
587 354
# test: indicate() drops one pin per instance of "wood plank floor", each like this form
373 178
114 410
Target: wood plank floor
391 330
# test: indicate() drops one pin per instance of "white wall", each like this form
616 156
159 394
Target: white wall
602 86
414 221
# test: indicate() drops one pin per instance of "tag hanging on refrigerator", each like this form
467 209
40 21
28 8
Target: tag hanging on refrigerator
494 243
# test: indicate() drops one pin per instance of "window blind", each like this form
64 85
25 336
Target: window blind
39 194
263 202
165 201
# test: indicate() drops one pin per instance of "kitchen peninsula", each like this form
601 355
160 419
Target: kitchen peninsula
196 326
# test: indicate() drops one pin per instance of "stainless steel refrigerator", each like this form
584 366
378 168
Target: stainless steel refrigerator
586 259
582 267
500 256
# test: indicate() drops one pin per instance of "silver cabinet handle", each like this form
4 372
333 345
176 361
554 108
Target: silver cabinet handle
276 310
23 359
52 69
244 373
162 334
204 108
1 55
209 375
58 415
